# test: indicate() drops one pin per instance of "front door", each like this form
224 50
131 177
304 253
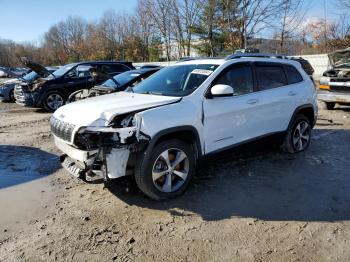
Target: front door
231 120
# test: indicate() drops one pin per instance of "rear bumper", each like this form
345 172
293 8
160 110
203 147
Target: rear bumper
335 97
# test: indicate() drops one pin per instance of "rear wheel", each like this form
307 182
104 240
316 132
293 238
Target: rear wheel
298 136
53 100
166 172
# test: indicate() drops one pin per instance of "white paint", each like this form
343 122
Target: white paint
220 122
116 162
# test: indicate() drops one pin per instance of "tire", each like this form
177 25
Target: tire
161 181
53 100
329 105
12 96
298 136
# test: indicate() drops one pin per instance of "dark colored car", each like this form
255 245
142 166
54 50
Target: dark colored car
114 84
52 92
7 87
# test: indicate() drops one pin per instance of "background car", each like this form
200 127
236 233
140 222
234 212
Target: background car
114 84
334 85
52 92
7 87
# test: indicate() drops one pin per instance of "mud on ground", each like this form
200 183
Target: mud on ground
259 206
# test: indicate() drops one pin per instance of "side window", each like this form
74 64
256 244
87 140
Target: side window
293 75
270 76
118 68
79 71
240 78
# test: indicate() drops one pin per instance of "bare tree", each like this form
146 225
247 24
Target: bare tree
255 15
189 11
291 16
159 13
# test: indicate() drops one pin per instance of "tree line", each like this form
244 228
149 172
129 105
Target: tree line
164 30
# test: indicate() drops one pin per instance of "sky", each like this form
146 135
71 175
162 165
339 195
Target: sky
28 20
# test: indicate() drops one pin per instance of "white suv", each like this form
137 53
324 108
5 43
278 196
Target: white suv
158 130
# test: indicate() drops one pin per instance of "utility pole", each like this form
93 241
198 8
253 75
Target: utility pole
244 24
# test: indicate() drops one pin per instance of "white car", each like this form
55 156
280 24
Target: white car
159 130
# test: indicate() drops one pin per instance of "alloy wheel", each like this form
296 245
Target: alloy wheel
301 136
54 101
170 170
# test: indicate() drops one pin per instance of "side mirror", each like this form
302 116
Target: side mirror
221 90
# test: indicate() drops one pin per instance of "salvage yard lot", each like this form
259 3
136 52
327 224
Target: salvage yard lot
259 206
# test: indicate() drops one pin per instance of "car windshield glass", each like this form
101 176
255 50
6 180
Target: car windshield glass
31 76
60 72
178 80
121 79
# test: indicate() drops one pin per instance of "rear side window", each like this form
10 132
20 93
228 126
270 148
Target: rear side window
270 76
114 68
293 75
119 68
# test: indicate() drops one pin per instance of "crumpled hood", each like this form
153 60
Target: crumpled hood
37 68
339 57
100 110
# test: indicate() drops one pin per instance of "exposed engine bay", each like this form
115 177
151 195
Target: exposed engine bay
95 149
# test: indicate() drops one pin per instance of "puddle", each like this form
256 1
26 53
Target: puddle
25 190
20 164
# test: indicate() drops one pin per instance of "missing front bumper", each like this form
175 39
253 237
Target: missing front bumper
96 164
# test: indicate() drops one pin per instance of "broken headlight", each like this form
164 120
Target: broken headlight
87 140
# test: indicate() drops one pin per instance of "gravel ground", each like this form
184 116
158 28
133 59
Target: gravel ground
259 206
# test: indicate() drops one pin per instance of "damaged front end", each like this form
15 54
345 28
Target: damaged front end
335 82
28 94
96 152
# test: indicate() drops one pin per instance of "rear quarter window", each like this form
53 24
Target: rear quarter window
293 75
270 76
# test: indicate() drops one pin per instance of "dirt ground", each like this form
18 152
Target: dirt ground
259 206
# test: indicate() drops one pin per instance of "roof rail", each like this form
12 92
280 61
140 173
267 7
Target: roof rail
240 55
190 58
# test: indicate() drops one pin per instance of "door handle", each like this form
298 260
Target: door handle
252 101
292 93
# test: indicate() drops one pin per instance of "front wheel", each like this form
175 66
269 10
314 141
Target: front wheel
12 96
53 101
166 172
298 135
329 105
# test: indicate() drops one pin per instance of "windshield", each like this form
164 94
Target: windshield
178 80
60 72
121 79
30 76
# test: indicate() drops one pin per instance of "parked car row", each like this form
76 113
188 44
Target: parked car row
161 129
52 91
7 87
13 72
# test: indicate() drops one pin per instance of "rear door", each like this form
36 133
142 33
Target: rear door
276 98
